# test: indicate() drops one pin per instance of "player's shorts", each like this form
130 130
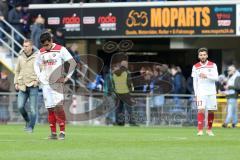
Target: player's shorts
53 95
208 102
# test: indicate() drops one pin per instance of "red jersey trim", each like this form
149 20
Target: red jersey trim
42 50
197 65
56 48
208 65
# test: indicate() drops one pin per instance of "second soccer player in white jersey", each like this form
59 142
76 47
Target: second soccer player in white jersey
205 75
49 67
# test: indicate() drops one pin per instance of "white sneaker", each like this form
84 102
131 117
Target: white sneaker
200 133
209 132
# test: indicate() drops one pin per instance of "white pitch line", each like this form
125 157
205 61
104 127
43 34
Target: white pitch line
178 138
1 140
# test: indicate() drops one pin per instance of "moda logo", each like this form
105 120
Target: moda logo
89 20
71 23
107 23
53 20
224 23
224 19
224 16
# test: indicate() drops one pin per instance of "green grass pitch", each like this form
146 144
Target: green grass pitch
119 143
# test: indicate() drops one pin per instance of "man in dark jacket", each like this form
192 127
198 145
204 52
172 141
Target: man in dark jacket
3 16
178 85
59 37
36 30
15 18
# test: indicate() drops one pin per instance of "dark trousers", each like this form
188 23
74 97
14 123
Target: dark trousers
125 104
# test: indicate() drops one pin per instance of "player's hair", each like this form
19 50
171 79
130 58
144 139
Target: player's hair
46 36
203 49
28 41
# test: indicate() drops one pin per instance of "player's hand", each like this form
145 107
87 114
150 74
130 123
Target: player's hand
202 75
62 80
21 20
1 18
65 79
16 87
225 87
35 83
222 93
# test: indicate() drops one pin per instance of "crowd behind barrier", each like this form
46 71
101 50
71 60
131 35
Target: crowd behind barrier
149 110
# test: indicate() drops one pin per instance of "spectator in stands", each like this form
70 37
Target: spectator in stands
26 82
4 99
178 81
190 89
1 26
15 18
12 3
222 80
139 82
4 8
156 87
148 77
108 94
73 51
164 73
162 83
122 86
36 30
97 84
26 18
3 15
59 37
232 95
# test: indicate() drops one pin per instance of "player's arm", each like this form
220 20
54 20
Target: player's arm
195 79
37 65
214 75
17 71
67 57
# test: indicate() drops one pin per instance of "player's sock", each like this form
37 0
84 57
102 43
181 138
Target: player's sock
200 120
52 120
61 118
210 120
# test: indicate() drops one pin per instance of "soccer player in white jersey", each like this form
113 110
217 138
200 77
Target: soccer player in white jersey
205 75
49 67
